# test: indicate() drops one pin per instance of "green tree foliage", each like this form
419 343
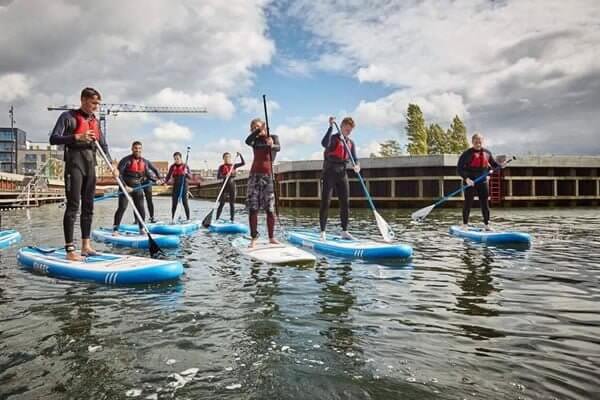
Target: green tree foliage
416 131
437 140
457 136
389 148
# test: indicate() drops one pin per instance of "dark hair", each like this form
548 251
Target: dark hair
89 92
136 143
225 154
176 154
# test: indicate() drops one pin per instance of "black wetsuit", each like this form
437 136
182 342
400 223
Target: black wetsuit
472 164
334 176
180 174
229 190
80 170
133 172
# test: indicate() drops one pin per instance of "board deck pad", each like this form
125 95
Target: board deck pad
273 253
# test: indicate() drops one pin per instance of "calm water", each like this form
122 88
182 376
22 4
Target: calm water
460 321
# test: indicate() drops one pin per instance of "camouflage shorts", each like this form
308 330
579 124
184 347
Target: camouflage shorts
260 195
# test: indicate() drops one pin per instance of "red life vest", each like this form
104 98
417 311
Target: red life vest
136 166
179 169
84 124
338 150
225 169
479 160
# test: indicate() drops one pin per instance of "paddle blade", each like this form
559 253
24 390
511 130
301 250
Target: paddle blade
421 214
384 228
155 250
208 219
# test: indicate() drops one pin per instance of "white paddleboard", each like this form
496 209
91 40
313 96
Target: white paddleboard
273 253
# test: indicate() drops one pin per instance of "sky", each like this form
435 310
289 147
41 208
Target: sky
525 73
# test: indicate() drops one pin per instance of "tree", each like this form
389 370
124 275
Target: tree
390 148
437 140
457 136
416 131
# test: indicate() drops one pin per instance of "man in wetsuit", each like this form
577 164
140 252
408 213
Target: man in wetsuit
260 193
334 173
133 170
180 173
229 190
472 163
77 130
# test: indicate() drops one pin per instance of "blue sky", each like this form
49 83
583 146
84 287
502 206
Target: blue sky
525 73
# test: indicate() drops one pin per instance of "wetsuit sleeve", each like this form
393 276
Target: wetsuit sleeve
151 167
241 163
353 151
251 139
461 166
327 138
122 165
276 145
169 173
493 163
104 145
188 172
61 134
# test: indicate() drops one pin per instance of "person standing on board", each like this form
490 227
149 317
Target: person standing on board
473 163
260 193
152 177
77 131
223 171
334 175
180 173
133 170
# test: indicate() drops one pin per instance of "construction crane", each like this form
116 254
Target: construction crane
116 108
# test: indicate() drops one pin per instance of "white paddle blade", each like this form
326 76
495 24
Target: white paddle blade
384 228
421 214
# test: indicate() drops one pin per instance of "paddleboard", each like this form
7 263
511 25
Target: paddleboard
163 228
8 238
336 246
134 239
491 237
112 269
228 227
273 253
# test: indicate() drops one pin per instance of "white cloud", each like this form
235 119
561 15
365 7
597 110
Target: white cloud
254 106
172 132
14 86
365 151
217 103
302 134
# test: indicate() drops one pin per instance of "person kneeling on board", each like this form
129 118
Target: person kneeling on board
334 175
472 163
225 169
77 131
260 193
180 173
133 169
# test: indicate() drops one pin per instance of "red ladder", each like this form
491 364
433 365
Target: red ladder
496 188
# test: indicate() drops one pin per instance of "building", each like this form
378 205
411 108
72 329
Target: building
36 155
12 142
414 181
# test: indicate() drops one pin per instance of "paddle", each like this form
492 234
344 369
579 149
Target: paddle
187 156
271 161
384 228
207 221
154 248
422 213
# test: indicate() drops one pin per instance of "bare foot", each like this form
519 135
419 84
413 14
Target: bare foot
88 251
116 233
73 256
274 241
252 243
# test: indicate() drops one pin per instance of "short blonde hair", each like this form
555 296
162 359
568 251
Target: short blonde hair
255 121
476 135
348 121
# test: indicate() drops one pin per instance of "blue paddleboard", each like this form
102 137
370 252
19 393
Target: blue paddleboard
8 238
163 228
134 239
228 227
336 246
491 237
112 269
